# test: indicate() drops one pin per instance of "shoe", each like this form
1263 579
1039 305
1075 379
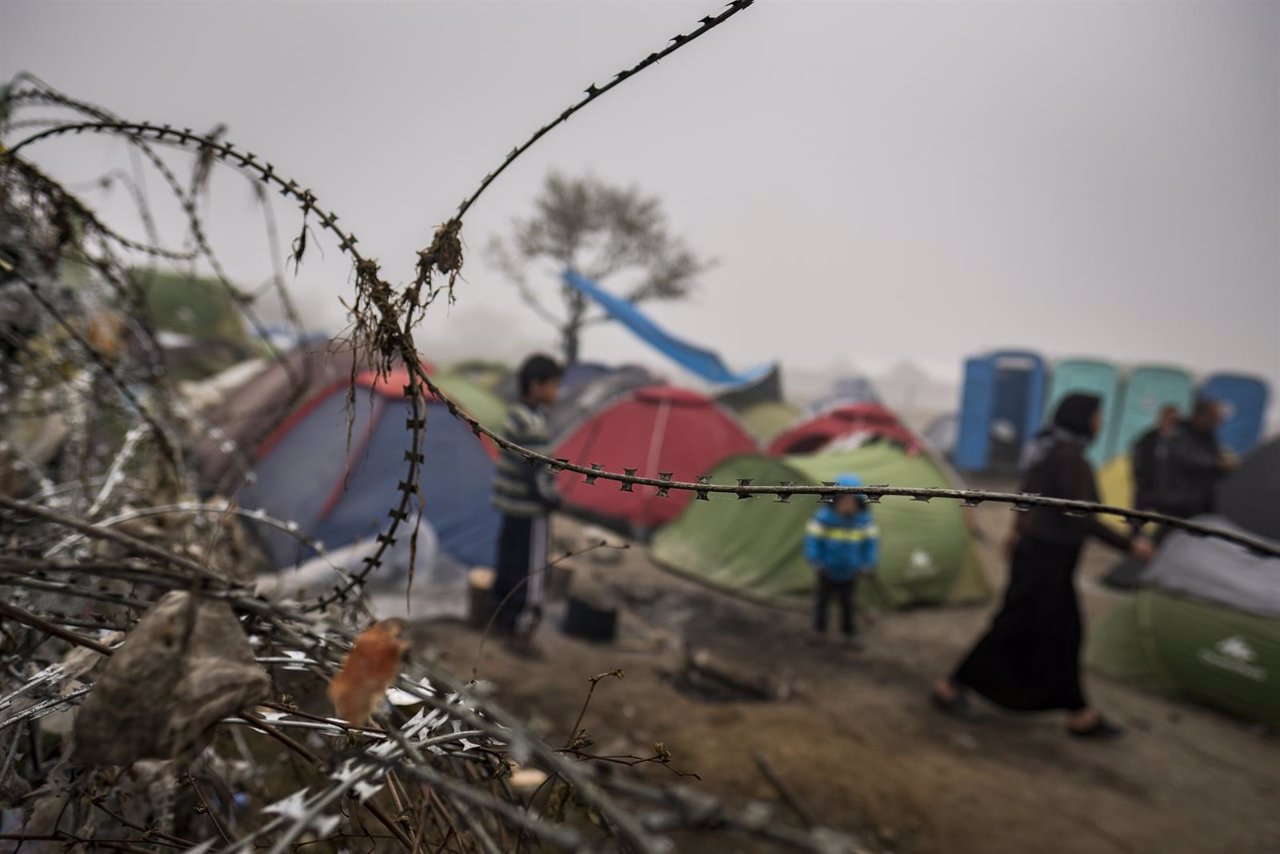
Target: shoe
1100 730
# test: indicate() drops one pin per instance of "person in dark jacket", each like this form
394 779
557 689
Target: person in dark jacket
1194 463
1148 458
525 494
841 543
1029 659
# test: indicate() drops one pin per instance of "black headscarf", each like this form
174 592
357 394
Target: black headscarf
1072 422
1075 415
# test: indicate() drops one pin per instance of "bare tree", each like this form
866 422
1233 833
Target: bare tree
601 231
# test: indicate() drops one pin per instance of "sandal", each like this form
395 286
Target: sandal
1100 730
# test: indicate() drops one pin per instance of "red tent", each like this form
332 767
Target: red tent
655 429
870 418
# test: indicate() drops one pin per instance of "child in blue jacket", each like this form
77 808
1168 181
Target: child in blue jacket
841 543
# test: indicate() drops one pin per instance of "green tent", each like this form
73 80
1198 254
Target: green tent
476 400
488 375
1206 627
754 547
768 419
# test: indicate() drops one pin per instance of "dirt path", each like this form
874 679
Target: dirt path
860 744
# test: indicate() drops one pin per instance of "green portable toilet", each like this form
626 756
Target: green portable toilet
755 547
1148 389
1089 376
1205 626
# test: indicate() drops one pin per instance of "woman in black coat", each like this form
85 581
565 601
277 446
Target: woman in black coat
1029 660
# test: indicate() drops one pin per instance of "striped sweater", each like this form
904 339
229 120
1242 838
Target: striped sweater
521 488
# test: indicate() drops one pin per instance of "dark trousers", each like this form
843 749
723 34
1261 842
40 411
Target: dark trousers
845 595
519 583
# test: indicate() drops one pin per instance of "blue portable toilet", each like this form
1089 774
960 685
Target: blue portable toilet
1244 401
1001 409
1148 389
1089 376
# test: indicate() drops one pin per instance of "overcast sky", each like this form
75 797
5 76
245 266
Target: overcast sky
876 181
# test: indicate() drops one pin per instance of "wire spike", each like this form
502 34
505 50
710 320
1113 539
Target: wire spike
626 484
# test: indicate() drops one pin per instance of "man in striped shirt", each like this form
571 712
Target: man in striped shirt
525 494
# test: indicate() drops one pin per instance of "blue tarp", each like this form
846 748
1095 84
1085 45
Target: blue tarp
696 360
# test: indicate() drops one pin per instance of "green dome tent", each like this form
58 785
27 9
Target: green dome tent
479 402
755 547
1206 627
768 419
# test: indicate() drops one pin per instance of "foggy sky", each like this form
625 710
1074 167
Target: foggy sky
875 180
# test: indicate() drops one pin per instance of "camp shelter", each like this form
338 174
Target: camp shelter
304 472
1088 376
941 435
652 430
1001 409
869 419
477 401
581 400
768 419
1244 404
754 547
1148 389
1250 495
845 391
245 415
766 388
1205 626
196 321
485 374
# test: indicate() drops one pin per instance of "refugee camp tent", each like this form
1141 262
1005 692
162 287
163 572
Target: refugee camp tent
754 547
580 401
1148 389
477 401
245 415
489 376
197 323
1094 377
1002 408
1244 403
767 420
941 435
1250 495
1206 626
304 473
845 391
653 430
869 419
766 388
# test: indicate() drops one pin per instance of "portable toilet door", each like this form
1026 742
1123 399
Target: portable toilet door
1017 408
1149 389
1090 377
1244 402
1001 410
973 443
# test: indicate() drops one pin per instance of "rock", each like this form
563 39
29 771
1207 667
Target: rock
182 668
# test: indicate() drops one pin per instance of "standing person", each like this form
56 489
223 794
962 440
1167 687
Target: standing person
1194 463
1148 458
1029 660
525 494
841 543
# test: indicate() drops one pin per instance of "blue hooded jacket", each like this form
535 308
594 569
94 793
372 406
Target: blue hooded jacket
841 547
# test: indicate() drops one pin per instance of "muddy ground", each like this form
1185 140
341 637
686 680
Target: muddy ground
857 740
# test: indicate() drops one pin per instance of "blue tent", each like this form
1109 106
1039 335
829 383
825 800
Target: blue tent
1090 377
1148 389
1244 400
304 473
1001 410
845 392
